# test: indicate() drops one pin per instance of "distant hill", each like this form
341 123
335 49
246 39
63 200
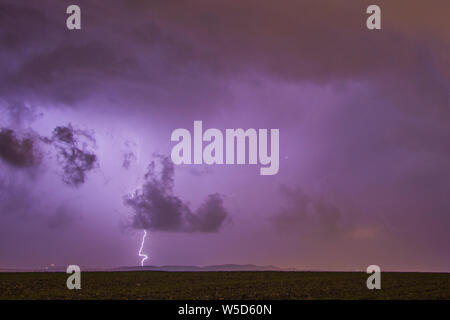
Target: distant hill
222 267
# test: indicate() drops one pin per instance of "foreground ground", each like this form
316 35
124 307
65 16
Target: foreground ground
224 285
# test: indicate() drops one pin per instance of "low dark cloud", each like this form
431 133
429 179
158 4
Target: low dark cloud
155 207
209 216
16 152
74 153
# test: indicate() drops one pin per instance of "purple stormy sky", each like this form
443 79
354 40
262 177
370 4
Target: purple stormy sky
364 133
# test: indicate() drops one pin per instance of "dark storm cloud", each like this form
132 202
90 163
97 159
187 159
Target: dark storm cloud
75 154
300 39
21 25
116 49
67 74
406 63
155 207
16 152
209 216
153 46
44 63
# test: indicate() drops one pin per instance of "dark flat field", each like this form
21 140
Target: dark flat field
224 285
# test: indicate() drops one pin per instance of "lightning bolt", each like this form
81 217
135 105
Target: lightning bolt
145 257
